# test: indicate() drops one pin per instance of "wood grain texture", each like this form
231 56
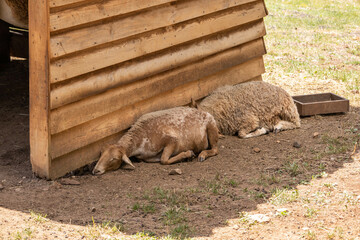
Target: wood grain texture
97 11
145 67
39 87
60 3
116 53
112 100
92 131
167 15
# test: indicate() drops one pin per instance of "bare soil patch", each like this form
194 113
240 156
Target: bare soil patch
205 197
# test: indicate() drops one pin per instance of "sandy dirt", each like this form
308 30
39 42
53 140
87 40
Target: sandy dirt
201 202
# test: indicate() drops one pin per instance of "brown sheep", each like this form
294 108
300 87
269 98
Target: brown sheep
167 136
251 109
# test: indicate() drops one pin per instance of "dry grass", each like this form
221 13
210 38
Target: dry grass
313 46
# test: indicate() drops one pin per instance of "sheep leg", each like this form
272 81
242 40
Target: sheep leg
169 149
283 125
152 160
212 137
250 127
257 132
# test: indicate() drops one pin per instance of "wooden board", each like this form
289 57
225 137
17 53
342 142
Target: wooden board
39 88
97 34
61 3
116 53
94 12
322 103
145 67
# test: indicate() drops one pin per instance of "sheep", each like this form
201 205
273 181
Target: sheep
14 12
251 109
166 136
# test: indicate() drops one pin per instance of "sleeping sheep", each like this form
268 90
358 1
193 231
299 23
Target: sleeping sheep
167 136
251 109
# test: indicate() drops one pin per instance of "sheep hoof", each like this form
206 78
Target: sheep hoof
277 130
201 158
191 153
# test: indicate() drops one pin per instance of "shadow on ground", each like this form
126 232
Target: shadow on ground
148 199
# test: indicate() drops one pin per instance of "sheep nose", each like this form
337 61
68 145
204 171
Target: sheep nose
96 172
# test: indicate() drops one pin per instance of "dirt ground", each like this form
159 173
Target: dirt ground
198 203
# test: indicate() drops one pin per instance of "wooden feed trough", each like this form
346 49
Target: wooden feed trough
321 103
96 66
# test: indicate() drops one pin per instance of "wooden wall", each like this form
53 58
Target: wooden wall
108 62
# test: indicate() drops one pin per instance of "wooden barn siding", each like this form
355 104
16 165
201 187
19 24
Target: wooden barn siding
116 52
111 61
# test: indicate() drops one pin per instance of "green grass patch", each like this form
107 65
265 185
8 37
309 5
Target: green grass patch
38 217
335 145
23 235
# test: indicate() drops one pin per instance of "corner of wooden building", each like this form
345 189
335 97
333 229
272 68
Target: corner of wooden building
88 85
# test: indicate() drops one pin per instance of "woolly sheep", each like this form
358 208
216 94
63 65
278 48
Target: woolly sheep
251 109
166 136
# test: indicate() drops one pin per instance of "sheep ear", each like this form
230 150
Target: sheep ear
127 160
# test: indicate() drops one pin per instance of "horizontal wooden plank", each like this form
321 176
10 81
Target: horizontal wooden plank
61 3
92 131
145 67
80 157
100 58
97 11
166 15
85 110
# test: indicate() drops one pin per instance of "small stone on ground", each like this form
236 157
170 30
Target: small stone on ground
176 171
256 150
260 218
296 145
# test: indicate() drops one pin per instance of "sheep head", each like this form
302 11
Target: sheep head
111 159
